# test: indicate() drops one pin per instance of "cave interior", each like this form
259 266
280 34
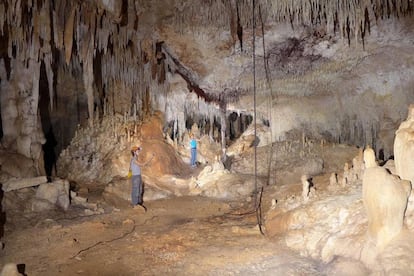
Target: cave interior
298 109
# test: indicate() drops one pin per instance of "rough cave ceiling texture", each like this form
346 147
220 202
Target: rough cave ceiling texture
133 56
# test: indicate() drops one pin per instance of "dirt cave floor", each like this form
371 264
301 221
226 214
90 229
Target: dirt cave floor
175 236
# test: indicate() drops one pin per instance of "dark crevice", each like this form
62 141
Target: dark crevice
97 72
4 40
49 154
1 123
124 13
239 27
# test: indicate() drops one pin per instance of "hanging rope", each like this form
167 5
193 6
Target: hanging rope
270 102
258 195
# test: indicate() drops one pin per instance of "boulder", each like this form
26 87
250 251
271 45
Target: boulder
56 193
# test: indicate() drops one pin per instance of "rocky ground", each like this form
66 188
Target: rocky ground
186 235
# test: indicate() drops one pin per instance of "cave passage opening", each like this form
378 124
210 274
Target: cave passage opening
49 148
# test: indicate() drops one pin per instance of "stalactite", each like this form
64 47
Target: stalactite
68 34
333 14
49 72
2 17
88 80
45 24
59 22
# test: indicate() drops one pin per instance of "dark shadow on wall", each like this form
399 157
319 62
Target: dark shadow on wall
21 268
1 123
2 214
49 154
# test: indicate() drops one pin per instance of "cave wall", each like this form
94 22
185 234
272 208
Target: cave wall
21 125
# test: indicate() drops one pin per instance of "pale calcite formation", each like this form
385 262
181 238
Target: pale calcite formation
345 176
404 147
305 188
324 228
385 198
335 224
333 180
10 269
56 193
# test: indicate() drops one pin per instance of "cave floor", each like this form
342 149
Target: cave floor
176 236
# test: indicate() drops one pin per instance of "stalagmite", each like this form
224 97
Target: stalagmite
10 269
385 198
305 188
346 175
404 147
223 130
333 180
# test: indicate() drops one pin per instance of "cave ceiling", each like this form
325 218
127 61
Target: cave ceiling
136 44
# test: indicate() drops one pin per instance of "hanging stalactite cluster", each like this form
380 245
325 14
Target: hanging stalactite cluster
81 32
121 36
351 18
35 29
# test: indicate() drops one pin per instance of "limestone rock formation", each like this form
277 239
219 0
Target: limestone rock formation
23 183
385 198
56 193
10 269
404 147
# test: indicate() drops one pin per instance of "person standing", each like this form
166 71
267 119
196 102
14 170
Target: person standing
136 179
193 147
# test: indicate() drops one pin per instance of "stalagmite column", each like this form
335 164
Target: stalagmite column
180 125
305 188
223 129
33 128
385 198
22 129
404 147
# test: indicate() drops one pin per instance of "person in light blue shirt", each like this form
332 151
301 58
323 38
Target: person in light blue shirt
193 147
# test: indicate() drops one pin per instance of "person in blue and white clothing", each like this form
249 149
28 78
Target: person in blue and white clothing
193 148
